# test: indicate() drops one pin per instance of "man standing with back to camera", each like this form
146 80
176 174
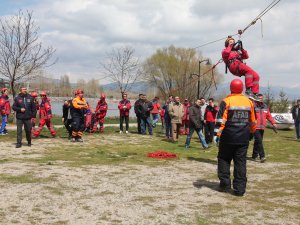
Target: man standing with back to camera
235 121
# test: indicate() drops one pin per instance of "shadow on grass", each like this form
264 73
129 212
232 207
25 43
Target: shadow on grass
205 183
214 162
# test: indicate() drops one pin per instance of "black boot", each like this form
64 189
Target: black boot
18 145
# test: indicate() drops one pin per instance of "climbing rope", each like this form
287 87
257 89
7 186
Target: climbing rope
240 32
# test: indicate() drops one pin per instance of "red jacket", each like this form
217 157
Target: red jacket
124 111
5 108
262 115
186 114
210 113
101 109
156 108
45 109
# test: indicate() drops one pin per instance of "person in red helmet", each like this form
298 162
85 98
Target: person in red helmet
233 56
234 123
100 113
37 106
45 114
78 110
4 110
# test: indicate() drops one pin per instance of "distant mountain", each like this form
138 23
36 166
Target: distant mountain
138 87
223 89
291 93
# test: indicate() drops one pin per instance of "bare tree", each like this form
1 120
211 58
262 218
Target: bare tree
123 68
21 52
171 71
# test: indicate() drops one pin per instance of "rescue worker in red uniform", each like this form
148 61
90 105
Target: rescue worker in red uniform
124 107
37 106
5 110
78 110
186 118
262 115
100 113
209 120
234 123
45 114
233 56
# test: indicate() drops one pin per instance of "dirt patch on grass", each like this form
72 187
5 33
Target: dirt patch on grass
174 192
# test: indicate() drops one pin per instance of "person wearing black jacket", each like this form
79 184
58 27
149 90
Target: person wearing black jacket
195 125
24 107
144 111
138 116
67 118
296 116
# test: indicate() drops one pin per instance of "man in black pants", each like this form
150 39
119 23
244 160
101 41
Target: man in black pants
234 123
67 118
138 116
24 107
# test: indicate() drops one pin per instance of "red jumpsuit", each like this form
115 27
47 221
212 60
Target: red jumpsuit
33 119
100 113
234 61
185 119
45 117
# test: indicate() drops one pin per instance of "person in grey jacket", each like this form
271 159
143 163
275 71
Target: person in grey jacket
195 125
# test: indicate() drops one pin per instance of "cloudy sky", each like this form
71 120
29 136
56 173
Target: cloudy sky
82 31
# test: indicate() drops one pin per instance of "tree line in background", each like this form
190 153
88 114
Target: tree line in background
169 71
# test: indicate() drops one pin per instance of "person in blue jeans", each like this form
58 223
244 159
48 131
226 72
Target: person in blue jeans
296 117
167 118
144 109
195 125
4 110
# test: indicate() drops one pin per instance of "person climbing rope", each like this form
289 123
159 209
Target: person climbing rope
233 56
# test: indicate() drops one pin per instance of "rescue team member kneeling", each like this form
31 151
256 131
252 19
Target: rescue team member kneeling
25 109
79 107
234 123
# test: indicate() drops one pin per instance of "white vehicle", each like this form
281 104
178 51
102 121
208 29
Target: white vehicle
284 121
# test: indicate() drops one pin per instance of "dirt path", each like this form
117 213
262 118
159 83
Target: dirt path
178 192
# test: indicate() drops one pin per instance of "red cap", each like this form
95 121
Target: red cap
236 86
43 93
34 94
79 91
102 96
3 90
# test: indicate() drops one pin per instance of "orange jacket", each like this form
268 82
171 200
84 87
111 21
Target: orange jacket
235 120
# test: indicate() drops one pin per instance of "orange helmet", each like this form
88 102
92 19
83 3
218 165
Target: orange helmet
79 91
102 96
43 93
34 94
236 86
227 41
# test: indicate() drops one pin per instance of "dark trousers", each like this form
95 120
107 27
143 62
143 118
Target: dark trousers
258 148
209 132
138 120
168 127
122 118
146 122
297 126
78 124
27 128
237 153
67 124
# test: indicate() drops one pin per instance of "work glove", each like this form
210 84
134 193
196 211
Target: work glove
216 140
